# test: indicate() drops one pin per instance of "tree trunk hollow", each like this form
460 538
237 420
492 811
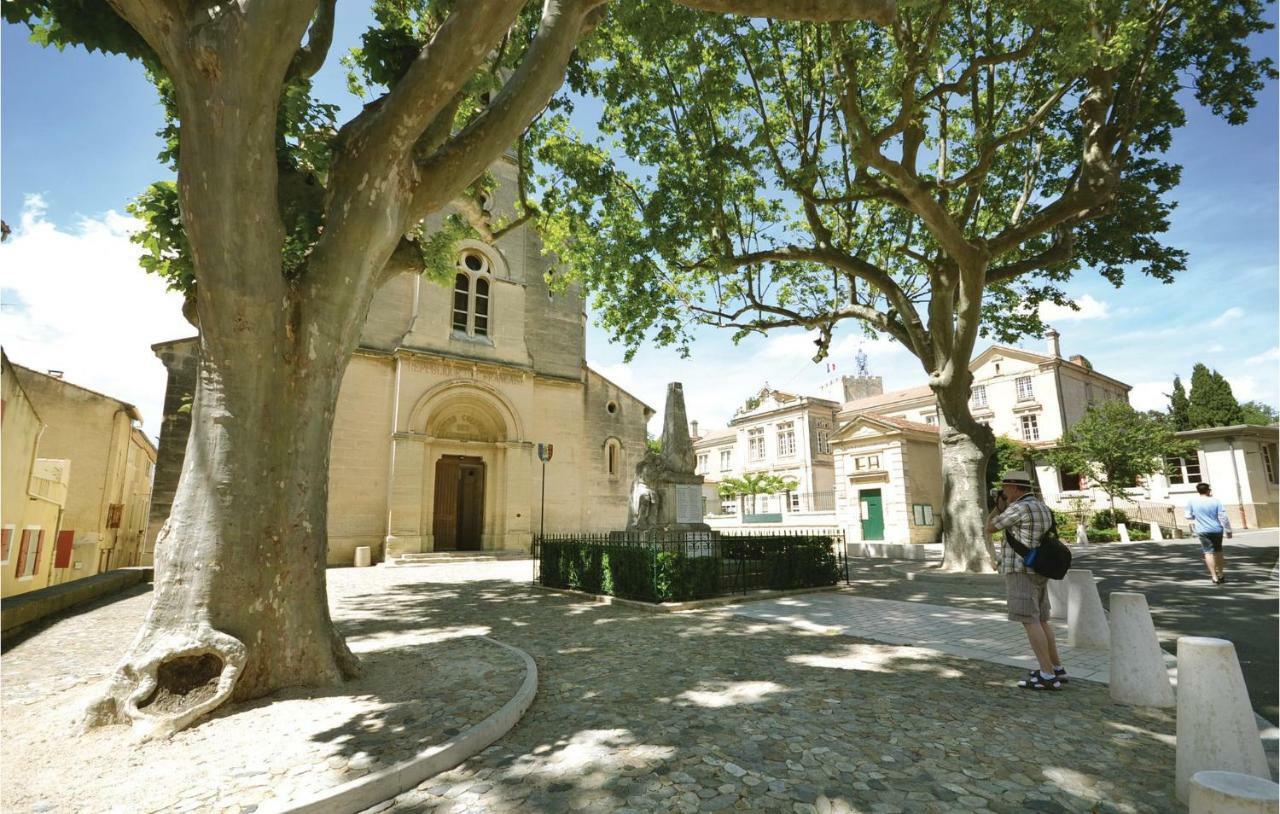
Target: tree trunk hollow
240 607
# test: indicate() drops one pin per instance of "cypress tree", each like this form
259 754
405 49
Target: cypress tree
1211 403
1178 406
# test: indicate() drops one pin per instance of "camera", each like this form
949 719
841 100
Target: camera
994 497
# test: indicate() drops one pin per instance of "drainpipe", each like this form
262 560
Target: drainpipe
395 413
1235 472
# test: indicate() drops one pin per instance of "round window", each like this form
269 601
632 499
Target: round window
612 407
473 261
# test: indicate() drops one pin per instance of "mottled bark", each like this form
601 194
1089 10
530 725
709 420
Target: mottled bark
240 606
966 446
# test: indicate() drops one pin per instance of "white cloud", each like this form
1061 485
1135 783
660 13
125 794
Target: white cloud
1090 308
1150 395
1266 356
1226 317
1245 388
77 301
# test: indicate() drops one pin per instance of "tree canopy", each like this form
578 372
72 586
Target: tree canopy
1211 402
933 180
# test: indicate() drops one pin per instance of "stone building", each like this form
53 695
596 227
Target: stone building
1241 463
96 459
780 434
444 403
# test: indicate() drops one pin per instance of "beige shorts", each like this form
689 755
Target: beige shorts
1028 596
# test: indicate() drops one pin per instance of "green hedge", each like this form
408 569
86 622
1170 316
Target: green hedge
646 573
665 572
1136 533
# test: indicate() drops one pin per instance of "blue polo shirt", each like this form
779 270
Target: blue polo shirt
1209 514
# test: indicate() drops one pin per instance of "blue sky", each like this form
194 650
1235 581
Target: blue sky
79 141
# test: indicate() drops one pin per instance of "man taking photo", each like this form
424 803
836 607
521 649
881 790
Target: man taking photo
1020 513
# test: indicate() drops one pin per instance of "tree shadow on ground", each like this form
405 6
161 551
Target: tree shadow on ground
1173 578
702 711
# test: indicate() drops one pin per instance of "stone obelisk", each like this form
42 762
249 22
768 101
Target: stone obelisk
667 496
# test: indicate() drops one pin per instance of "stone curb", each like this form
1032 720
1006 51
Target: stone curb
673 607
377 787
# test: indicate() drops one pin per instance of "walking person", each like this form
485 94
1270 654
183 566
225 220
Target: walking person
1210 522
1020 513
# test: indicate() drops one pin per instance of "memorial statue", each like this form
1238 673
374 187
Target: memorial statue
667 494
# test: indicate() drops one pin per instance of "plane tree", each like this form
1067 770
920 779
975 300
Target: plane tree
933 180
281 225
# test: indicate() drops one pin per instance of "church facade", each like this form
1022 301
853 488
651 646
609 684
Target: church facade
444 404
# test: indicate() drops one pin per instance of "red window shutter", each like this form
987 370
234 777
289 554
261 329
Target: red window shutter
62 552
6 536
22 551
35 563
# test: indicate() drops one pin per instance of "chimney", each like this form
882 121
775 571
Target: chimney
693 430
1054 349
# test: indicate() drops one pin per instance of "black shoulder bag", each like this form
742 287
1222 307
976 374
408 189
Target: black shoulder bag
1051 559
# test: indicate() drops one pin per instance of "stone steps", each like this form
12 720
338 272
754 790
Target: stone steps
440 557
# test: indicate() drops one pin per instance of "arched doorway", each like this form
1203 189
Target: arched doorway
458 508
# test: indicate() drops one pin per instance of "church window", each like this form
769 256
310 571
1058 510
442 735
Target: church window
482 307
472 302
613 456
611 407
461 298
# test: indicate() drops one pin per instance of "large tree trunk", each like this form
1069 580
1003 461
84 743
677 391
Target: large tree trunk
966 446
240 606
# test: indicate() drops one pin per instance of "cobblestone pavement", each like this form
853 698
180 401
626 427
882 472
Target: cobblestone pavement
698 711
706 711
420 687
963 632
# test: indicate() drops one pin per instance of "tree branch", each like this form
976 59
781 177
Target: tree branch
1059 252
310 57
460 160
881 12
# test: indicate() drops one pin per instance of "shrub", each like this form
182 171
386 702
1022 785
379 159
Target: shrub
1136 533
1105 519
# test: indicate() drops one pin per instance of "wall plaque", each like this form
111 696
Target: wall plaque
688 503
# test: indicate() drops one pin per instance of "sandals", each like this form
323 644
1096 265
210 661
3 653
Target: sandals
1035 681
1059 673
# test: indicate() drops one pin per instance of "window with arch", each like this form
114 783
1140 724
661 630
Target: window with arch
613 457
472 295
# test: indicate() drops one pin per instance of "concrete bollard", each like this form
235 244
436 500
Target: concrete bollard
1086 620
1156 533
1124 532
1138 674
1058 599
1231 793
1217 729
1082 536
364 556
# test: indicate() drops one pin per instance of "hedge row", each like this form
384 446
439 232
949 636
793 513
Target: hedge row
680 572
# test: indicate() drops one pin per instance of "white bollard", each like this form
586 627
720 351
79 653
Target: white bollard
364 556
1124 532
1138 674
1086 620
1217 729
1156 534
1231 793
1058 599
1082 536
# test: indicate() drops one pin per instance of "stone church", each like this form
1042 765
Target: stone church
444 404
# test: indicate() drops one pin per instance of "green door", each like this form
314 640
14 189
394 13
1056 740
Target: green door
872 514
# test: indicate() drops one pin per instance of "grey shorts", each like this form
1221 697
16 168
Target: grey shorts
1028 596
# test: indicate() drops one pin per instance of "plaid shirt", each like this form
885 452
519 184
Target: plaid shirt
1028 518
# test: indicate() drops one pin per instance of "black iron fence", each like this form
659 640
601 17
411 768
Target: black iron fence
681 566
